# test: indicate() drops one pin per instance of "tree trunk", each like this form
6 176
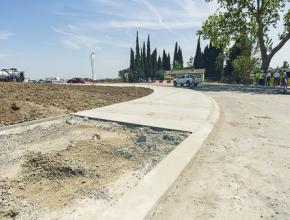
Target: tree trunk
265 63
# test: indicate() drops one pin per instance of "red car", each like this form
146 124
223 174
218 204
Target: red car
76 80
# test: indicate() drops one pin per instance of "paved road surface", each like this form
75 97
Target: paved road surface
243 171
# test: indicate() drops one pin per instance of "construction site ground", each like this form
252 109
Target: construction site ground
55 167
20 102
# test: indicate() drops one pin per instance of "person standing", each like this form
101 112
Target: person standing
257 78
262 78
285 80
247 78
268 79
276 78
260 75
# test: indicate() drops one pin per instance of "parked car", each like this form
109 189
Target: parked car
54 80
76 80
183 80
187 80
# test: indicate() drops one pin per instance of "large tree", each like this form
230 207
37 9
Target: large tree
255 18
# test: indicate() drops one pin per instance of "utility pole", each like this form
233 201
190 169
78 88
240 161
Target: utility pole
93 66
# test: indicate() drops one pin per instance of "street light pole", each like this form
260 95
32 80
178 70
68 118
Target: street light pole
93 66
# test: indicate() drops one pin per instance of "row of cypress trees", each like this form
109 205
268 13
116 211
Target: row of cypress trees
208 60
145 64
177 58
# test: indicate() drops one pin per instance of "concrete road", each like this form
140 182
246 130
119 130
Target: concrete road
243 171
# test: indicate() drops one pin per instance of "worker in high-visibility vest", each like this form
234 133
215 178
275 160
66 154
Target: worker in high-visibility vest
262 78
257 77
252 78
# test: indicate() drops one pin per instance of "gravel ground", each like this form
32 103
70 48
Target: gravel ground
21 102
50 167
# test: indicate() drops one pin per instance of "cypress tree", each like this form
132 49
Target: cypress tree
168 63
159 63
138 58
137 49
175 56
180 57
149 64
205 60
142 64
198 56
132 60
211 54
154 63
145 70
164 60
235 51
202 60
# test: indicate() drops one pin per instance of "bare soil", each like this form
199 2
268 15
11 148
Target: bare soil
49 167
21 102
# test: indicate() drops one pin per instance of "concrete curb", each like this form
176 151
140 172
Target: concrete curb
138 203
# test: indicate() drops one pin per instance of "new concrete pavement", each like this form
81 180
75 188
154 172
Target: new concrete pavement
170 108
243 170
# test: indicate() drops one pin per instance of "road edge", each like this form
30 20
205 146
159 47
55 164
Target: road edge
138 203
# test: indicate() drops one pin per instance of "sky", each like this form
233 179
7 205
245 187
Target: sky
47 38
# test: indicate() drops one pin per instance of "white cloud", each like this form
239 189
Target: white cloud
4 35
184 14
75 39
154 10
171 25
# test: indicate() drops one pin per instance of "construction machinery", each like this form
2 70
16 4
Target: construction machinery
11 75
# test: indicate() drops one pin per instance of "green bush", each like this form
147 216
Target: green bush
241 65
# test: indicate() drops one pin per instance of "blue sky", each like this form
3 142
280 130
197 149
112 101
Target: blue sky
55 37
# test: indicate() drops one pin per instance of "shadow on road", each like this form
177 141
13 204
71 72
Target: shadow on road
241 89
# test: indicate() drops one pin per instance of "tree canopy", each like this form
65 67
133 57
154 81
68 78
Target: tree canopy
254 18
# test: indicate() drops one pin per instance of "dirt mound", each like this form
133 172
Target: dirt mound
21 102
51 166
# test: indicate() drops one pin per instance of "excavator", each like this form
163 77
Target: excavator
11 75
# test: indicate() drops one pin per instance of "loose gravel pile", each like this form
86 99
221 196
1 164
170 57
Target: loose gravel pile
53 165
